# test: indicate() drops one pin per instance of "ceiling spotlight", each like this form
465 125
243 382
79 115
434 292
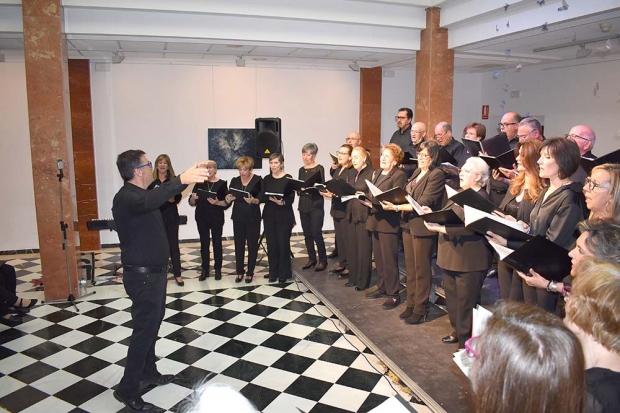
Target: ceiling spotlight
117 58
605 27
240 62
583 52
354 66
519 67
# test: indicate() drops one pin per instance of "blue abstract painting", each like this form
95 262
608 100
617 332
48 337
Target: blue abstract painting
225 146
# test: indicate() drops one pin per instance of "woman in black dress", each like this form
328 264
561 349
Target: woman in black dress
358 238
208 198
464 256
427 188
245 216
311 209
164 172
278 219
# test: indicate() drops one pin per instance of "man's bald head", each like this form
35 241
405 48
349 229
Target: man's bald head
354 139
583 136
418 132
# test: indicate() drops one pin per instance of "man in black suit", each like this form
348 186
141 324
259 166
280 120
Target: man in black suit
402 136
443 136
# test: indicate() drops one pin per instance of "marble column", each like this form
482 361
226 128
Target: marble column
83 152
47 89
370 111
434 78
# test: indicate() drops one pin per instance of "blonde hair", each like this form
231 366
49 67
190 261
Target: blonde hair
594 303
169 173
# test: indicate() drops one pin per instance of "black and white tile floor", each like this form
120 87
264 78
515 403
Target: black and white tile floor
278 345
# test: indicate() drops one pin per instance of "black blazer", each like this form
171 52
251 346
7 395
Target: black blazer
430 192
242 211
557 217
462 249
339 209
356 211
379 219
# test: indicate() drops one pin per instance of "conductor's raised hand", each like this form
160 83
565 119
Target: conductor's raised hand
195 174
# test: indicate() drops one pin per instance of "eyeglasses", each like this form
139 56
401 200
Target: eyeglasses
397 118
572 137
524 136
149 164
504 125
353 139
440 136
470 351
589 184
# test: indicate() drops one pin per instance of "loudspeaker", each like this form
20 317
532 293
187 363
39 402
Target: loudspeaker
268 136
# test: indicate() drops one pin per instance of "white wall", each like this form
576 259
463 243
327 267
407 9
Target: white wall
168 109
18 225
564 96
396 92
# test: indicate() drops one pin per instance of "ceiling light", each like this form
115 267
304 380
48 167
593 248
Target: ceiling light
583 52
117 58
354 66
240 62
605 27
519 67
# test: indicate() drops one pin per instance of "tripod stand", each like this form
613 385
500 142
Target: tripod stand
63 229
261 245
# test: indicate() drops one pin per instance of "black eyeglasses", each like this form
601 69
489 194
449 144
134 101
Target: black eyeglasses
572 137
589 184
397 118
503 125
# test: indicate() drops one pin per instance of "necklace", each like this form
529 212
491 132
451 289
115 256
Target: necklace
210 187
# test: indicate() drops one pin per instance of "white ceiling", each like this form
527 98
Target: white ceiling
322 33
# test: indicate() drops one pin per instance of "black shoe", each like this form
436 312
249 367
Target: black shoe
375 294
415 319
492 272
333 254
135 404
240 278
349 285
248 278
309 264
359 289
407 313
391 303
336 270
204 274
21 307
218 274
160 380
450 339
320 267
179 283
12 321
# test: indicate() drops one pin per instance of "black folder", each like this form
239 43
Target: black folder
296 184
334 158
446 157
396 196
496 145
203 194
409 159
473 147
485 224
505 160
238 194
443 217
340 187
588 164
546 258
473 199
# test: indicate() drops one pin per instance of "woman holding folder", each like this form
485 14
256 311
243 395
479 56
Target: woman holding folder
208 198
427 188
278 219
464 256
311 208
358 238
245 216
384 226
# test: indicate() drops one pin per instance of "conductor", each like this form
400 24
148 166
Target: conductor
144 254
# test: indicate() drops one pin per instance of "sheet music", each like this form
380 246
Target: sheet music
416 207
373 189
473 215
451 191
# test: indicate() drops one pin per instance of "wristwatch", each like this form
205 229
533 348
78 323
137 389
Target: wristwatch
552 286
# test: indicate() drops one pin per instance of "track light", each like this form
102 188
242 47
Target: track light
240 62
354 66
117 58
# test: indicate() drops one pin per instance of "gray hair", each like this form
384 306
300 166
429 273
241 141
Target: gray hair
481 168
310 147
533 123
445 126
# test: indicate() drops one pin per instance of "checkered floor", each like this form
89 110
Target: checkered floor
278 345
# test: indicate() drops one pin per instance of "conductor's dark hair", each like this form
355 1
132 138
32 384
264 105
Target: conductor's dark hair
127 162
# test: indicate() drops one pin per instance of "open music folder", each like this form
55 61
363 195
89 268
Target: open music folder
482 222
395 196
471 198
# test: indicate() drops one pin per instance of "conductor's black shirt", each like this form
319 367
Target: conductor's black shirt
139 224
